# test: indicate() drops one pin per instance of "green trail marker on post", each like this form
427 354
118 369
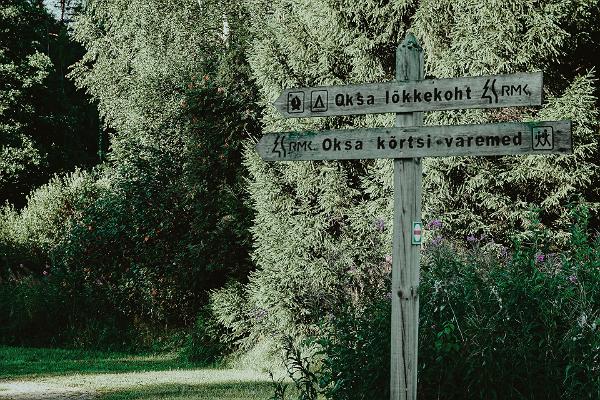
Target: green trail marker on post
408 96
417 232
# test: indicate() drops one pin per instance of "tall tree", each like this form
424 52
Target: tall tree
315 221
496 196
172 83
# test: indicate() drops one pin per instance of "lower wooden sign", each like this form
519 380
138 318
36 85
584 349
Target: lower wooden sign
539 137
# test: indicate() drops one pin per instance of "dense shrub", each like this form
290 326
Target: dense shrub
523 324
165 218
205 344
519 327
28 309
30 235
40 303
355 354
136 244
140 242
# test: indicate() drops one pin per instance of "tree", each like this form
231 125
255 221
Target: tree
315 221
174 88
495 196
46 126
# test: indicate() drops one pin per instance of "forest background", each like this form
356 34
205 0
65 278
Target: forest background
138 215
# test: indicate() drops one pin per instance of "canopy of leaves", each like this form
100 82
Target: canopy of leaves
164 219
45 125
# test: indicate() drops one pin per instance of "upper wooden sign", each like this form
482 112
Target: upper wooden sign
523 89
541 137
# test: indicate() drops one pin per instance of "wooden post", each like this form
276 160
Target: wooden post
409 96
406 256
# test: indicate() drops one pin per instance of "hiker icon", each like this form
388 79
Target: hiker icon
542 138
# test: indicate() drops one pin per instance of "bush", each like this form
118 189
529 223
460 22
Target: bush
28 236
29 310
492 326
140 242
204 344
357 353
44 302
515 327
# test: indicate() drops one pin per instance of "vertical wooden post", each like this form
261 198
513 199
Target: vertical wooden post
406 256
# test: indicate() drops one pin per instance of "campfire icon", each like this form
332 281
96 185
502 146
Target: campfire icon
296 102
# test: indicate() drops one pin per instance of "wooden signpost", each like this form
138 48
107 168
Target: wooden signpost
408 96
540 137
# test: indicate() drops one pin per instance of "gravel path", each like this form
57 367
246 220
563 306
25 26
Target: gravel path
92 386
32 390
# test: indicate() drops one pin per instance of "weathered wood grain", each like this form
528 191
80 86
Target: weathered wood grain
492 91
406 256
509 138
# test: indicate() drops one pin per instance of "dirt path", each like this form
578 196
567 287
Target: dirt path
34 390
93 386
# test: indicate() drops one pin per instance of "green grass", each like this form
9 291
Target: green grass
19 362
121 376
206 391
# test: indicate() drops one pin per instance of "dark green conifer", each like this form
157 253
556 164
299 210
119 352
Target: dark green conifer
316 222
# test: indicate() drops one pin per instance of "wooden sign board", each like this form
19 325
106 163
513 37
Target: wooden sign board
546 137
405 143
523 89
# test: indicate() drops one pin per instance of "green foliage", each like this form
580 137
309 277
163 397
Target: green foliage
317 220
45 125
525 321
136 245
231 311
28 236
464 38
356 353
140 57
492 325
205 345
222 117
494 195
41 302
300 370
24 310
22 73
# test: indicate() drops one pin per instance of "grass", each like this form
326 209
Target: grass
121 376
255 391
19 362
